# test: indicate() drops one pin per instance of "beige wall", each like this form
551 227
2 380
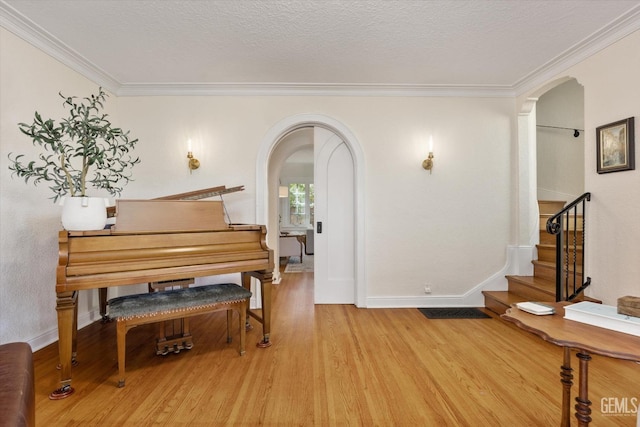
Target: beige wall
450 229
461 211
560 155
418 226
29 221
611 81
612 89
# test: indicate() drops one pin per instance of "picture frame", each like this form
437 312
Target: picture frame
615 146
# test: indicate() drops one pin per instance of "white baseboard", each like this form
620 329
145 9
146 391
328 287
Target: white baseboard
518 263
51 335
277 277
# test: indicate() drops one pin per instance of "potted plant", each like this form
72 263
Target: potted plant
82 150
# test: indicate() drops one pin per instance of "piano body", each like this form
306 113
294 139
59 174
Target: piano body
157 240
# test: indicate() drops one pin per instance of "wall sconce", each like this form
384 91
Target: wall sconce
193 162
428 162
283 191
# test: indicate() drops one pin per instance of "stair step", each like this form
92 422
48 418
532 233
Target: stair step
547 253
541 287
547 270
532 288
500 301
571 224
550 239
544 270
550 206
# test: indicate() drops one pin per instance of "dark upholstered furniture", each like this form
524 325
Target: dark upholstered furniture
17 386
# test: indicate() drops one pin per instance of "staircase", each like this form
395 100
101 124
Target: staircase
541 286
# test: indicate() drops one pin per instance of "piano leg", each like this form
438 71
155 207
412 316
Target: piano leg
265 293
102 300
265 286
67 308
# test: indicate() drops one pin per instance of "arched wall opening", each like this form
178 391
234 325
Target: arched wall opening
528 219
269 164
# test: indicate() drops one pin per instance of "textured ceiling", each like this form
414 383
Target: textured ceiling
273 43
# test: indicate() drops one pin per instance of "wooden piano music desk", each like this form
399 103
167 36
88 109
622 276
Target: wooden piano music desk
134 252
584 338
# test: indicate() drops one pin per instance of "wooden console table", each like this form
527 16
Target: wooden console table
584 338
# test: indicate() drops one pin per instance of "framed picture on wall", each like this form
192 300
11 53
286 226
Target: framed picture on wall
615 146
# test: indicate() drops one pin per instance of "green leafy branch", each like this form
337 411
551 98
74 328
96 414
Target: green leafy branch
82 149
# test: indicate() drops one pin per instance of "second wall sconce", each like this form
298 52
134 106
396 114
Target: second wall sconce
428 162
193 162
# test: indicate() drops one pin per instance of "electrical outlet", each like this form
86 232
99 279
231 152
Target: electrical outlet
427 289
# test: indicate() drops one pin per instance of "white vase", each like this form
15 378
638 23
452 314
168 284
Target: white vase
84 213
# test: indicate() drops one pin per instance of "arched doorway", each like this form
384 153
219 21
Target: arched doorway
267 185
527 219
560 142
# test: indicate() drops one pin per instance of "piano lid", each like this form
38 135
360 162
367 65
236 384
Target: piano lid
203 194
139 211
145 216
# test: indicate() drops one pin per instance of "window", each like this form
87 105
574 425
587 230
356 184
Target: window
299 210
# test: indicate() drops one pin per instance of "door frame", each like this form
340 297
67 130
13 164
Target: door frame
266 197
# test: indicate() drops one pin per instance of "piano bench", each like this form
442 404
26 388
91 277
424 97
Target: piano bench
139 309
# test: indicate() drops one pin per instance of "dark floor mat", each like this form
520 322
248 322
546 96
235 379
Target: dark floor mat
454 313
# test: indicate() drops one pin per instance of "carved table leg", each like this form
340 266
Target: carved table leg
66 306
583 411
567 381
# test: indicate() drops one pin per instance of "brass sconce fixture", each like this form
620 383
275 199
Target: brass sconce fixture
428 162
193 162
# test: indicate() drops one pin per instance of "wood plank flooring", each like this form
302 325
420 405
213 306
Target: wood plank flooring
330 365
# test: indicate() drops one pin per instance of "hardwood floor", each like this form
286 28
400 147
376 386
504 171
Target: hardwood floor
330 365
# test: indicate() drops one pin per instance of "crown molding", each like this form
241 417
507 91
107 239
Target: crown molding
310 89
24 28
614 31
35 35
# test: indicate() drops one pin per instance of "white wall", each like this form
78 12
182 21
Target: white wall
611 81
449 229
458 212
29 221
560 155
612 90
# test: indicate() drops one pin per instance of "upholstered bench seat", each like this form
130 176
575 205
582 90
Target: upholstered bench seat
134 310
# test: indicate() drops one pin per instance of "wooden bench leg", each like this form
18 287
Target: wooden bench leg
122 349
122 327
242 314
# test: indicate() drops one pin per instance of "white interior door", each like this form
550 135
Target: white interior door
334 278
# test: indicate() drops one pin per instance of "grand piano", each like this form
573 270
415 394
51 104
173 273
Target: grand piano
170 238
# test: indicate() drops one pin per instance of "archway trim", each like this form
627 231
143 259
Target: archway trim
267 146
